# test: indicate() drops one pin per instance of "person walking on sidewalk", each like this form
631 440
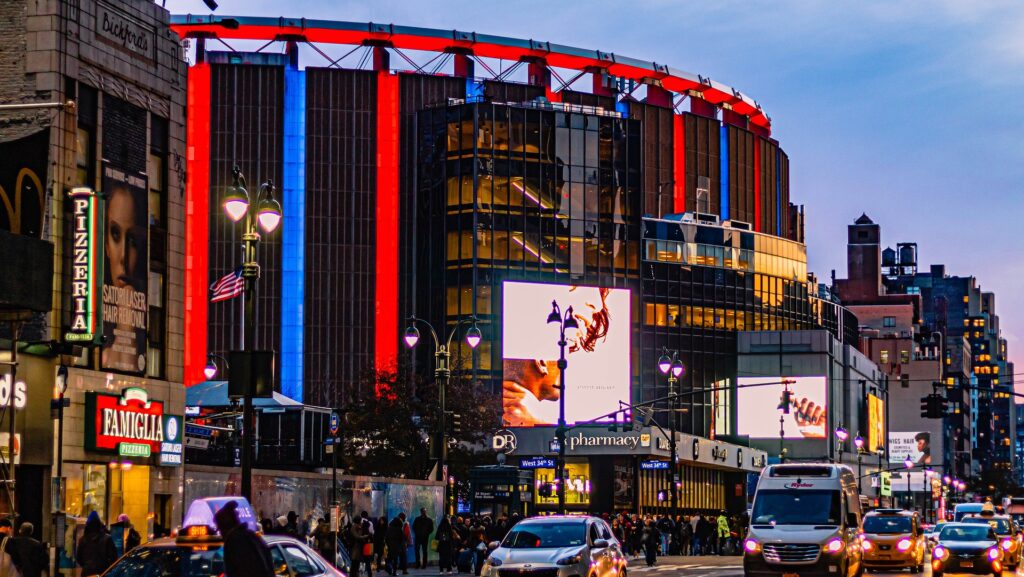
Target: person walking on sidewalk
651 540
422 527
245 553
30 556
95 552
723 532
445 543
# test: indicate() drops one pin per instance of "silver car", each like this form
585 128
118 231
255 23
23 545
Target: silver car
557 547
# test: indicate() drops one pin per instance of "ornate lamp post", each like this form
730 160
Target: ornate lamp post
566 321
841 436
858 442
669 364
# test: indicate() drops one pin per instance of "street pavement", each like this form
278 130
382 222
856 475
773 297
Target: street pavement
701 566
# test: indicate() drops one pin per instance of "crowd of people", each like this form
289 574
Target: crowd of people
651 536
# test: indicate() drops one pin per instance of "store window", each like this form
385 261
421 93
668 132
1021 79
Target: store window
577 489
86 489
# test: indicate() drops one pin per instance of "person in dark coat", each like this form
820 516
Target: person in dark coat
124 535
95 552
360 533
245 553
422 527
380 529
651 540
394 539
445 543
324 541
30 556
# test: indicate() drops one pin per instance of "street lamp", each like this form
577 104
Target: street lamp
442 373
841 436
212 369
671 365
267 217
566 321
909 464
858 442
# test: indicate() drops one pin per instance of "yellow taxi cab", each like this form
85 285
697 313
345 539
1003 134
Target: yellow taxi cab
893 539
1006 530
197 550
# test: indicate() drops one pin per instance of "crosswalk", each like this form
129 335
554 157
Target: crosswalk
666 568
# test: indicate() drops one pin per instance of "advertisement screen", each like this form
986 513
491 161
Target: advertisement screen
758 414
914 444
126 271
597 353
876 424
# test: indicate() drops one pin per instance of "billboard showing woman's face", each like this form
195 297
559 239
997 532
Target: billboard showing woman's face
598 353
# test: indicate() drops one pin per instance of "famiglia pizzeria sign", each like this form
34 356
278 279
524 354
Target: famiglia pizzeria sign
129 424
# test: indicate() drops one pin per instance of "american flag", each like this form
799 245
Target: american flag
228 287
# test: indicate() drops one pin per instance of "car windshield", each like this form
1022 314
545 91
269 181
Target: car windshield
170 562
883 525
546 536
964 533
796 507
1002 526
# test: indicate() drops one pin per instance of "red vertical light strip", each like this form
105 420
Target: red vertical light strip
757 184
679 163
386 305
197 222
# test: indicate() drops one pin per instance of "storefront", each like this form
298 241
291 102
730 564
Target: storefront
123 450
630 470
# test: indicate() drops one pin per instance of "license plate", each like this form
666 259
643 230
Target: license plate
790 575
967 564
883 557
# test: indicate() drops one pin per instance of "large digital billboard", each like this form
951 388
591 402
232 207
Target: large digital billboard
876 424
917 445
598 353
808 410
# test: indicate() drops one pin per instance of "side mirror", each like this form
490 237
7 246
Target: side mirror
493 545
601 544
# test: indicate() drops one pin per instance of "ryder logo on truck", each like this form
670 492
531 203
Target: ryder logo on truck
798 485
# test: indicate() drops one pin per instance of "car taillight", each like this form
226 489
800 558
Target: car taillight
904 544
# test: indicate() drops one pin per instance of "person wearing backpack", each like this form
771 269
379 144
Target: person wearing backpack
95 552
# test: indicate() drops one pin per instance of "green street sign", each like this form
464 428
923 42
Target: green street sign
886 484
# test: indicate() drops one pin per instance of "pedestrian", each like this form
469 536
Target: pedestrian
324 540
445 542
245 553
403 558
695 543
723 532
281 526
362 547
125 536
685 536
95 552
292 524
422 527
29 556
651 540
393 542
666 527
380 529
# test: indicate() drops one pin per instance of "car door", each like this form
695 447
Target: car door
613 553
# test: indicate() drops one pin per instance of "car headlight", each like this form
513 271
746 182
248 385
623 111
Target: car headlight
571 560
994 554
867 545
751 546
494 561
904 544
834 546
940 552
1008 544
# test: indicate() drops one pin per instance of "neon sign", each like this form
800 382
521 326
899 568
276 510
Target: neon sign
129 424
86 266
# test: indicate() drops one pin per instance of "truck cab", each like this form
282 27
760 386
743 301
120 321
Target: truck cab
805 522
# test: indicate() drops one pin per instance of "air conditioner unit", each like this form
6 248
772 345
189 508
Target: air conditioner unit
706 218
737 224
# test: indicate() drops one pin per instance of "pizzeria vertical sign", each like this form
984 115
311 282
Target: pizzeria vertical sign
86 267
129 424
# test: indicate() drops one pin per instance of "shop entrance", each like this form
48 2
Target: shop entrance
109 490
162 521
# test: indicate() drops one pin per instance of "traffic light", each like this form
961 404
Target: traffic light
456 424
785 401
926 407
934 406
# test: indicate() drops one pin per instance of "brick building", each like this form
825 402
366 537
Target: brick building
123 137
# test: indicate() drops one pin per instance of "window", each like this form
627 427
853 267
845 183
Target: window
889 321
904 357
883 356
301 565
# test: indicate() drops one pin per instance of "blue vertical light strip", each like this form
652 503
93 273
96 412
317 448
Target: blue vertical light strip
778 192
293 246
723 155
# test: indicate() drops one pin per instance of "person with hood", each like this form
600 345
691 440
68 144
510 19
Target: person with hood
125 536
292 525
445 543
723 532
95 552
246 554
30 556
280 527
422 527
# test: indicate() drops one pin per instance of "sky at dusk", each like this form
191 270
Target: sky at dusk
905 110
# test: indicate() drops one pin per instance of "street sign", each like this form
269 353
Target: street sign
653 465
197 443
886 484
197 431
335 424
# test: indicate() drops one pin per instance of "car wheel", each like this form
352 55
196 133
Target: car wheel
936 573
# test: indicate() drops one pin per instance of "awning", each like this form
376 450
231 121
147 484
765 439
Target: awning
215 394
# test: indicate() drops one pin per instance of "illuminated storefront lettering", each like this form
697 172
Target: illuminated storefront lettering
86 266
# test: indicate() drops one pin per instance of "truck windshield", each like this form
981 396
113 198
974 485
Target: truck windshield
780 507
